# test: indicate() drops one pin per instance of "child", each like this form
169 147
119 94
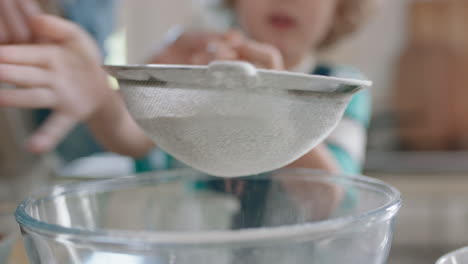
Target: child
63 72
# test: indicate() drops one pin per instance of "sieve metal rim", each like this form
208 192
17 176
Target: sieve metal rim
344 85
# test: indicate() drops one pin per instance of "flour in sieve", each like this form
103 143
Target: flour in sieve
227 145
222 146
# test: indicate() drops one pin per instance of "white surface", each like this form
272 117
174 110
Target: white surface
104 165
114 258
148 20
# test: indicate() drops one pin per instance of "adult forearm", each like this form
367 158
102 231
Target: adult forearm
318 158
116 130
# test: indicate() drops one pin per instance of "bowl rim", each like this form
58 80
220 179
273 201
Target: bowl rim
230 238
115 70
454 253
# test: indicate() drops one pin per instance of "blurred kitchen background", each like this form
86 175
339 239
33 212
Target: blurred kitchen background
416 52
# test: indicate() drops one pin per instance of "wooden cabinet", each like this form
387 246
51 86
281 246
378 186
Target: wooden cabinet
431 88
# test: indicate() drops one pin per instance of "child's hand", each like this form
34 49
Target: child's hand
14 20
196 48
223 47
62 74
261 55
201 48
234 46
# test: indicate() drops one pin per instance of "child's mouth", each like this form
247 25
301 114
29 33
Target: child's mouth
282 22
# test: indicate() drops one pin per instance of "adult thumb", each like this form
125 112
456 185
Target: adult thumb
54 29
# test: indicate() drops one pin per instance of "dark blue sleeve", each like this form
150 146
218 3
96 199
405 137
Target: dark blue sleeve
95 16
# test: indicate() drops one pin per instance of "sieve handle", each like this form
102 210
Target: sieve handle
233 73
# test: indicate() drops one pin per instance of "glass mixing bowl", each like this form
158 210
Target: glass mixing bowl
456 257
186 217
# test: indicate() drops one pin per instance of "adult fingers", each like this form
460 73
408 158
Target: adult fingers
55 29
32 55
15 22
24 76
29 8
32 98
51 133
4 37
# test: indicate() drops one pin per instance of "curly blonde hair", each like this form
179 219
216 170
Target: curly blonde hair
350 15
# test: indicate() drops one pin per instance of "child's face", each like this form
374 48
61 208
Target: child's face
295 27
